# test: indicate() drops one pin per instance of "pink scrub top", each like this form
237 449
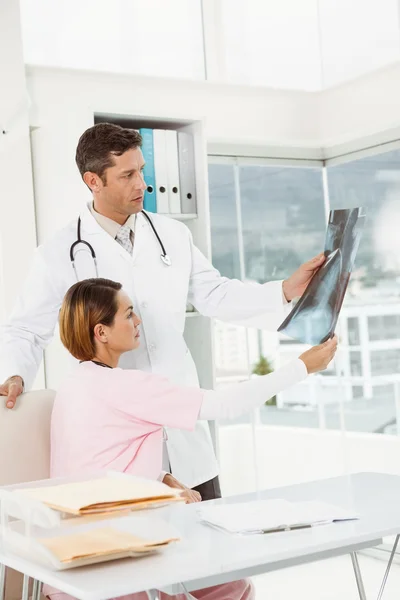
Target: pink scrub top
112 419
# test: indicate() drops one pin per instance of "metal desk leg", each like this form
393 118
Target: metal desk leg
34 589
2 581
388 567
357 573
37 590
25 588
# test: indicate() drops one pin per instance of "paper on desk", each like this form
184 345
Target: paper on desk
100 495
263 516
105 542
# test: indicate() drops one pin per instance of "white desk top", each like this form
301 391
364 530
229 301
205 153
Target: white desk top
206 556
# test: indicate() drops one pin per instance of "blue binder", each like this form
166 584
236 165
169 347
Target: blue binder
150 197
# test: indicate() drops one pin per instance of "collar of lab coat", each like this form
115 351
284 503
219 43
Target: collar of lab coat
91 227
112 227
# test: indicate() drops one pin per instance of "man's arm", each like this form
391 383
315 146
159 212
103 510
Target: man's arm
29 329
262 306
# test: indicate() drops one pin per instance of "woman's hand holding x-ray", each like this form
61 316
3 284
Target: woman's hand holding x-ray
318 357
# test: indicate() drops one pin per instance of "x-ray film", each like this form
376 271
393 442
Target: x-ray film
314 317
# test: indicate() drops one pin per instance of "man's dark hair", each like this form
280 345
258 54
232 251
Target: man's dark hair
99 143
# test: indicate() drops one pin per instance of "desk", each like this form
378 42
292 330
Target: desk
207 557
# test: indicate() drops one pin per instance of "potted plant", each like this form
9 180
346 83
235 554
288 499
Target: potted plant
264 367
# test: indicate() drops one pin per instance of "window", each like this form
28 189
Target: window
373 183
125 36
374 291
358 391
231 352
355 364
224 225
385 362
279 221
283 219
353 331
384 327
266 220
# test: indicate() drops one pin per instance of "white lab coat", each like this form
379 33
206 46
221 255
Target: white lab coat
159 295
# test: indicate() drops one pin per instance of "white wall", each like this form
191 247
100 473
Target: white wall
17 221
367 107
17 211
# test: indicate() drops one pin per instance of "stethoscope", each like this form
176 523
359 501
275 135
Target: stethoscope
164 256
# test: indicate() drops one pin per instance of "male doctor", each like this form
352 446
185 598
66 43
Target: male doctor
126 249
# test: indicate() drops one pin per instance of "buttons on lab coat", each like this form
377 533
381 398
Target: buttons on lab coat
144 305
152 347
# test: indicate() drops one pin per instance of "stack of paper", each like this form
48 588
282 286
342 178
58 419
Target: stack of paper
103 495
267 516
101 544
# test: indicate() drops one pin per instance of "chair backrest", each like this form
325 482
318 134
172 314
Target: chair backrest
25 438
24 451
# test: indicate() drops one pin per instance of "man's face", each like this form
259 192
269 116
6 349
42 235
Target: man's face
122 186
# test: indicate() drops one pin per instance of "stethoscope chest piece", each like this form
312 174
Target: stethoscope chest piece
166 260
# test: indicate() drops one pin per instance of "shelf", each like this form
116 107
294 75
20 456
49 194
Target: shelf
180 216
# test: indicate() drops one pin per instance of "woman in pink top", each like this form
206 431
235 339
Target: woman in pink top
105 417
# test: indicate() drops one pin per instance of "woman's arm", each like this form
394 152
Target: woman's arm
154 399
235 400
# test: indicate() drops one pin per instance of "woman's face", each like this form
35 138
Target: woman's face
124 335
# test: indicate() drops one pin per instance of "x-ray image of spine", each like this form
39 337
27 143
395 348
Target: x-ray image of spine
314 318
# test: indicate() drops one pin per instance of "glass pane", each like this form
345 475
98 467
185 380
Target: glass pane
272 43
355 364
224 227
353 330
283 219
357 37
384 327
150 37
372 305
385 362
231 350
231 353
283 222
235 347
374 183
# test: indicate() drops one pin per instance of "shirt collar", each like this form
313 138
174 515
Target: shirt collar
110 226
